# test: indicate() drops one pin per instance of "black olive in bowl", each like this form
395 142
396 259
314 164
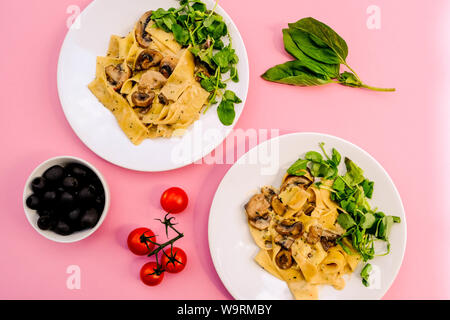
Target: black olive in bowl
69 198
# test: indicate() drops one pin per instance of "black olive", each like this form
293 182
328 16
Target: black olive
49 197
33 202
38 185
87 195
66 200
90 218
62 228
74 215
78 170
44 222
54 174
70 183
45 212
100 203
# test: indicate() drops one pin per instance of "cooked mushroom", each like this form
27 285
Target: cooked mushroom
285 242
143 37
152 80
117 75
142 99
296 180
328 239
257 207
284 259
278 206
162 99
148 58
268 192
308 208
167 65
314 234
261 223
287 228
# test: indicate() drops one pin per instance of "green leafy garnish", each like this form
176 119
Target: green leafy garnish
320 52
365 274
205 33
363 225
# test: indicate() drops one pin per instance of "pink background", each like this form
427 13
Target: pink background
405 131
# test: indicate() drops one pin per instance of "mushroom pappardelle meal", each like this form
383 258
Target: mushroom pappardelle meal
318 226
156 83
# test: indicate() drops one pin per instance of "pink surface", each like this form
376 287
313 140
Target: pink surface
405 131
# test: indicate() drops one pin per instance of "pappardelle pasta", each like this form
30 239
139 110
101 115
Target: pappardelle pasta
147 81
302 229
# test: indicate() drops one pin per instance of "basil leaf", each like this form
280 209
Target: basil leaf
180 34
321 33
295 73
339 184
310 48
368 188
330 70
349 79
226 112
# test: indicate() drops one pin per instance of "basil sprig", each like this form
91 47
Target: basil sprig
205 33
320 52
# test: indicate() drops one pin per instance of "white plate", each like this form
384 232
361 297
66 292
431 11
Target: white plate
96 126
232 247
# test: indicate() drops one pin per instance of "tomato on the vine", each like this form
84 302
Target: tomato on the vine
174 200
137 245
151 274
174 260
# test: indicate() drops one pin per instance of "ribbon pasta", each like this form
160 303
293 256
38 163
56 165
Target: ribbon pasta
296 230
149 84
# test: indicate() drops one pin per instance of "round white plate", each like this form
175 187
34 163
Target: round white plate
96 126
232 247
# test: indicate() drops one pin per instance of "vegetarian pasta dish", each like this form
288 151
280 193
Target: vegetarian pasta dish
157 79
318 226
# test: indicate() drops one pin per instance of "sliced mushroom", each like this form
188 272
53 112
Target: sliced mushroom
117 75
261 223
147 59
308 208
303 181
284 259
143 37
162 99
287 228
278 206
314 234
269 193
268 244
152 80
285 242
167 65
328 239
257 207
142 99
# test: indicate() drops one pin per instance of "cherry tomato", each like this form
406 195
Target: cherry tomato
151 275
176 261
174 200
136 245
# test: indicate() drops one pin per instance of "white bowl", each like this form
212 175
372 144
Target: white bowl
32 215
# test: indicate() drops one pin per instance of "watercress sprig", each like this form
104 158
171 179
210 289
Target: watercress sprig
206 35
363 225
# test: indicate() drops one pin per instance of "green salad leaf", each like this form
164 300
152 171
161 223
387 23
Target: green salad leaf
351 190
205 33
